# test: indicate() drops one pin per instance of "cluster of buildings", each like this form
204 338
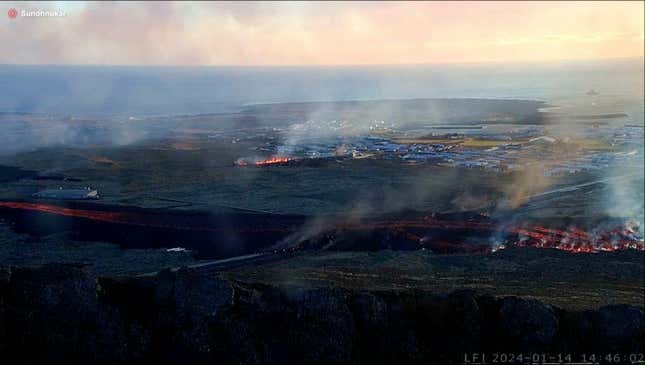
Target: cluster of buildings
495 148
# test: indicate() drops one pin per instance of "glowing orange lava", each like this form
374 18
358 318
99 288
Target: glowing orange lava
273 160
128 218
112 217
575 240
572 239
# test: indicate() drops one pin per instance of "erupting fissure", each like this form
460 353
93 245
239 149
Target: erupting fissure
273 160
128 218
577 241
572 240
111 217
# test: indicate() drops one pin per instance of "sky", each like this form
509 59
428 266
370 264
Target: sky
320 33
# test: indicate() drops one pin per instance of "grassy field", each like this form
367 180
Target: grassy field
485 143
569 281
585 144
594 144
428 140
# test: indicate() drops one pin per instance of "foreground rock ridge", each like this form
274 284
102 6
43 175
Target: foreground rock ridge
62 313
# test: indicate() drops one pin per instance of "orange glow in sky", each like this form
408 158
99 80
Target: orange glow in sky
317 33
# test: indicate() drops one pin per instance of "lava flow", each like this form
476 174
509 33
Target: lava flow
102 216
137 219
274 160
446 236
443 235
578 241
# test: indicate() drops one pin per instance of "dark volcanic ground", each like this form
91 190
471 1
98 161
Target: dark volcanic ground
573 281
64 314
171 182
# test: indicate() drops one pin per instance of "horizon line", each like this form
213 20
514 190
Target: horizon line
322 65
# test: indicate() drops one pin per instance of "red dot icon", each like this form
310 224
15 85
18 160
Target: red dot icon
12 13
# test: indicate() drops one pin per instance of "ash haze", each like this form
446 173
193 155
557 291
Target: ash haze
321 33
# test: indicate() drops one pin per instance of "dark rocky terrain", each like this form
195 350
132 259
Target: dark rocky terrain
63 313
574 282
342 269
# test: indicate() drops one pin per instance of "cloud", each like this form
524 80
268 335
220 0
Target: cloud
306 33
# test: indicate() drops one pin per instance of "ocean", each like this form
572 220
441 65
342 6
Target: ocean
140 91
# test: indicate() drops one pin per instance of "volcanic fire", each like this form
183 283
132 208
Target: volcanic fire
273 160
445 236
131 218
112 217
442 235
577 241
